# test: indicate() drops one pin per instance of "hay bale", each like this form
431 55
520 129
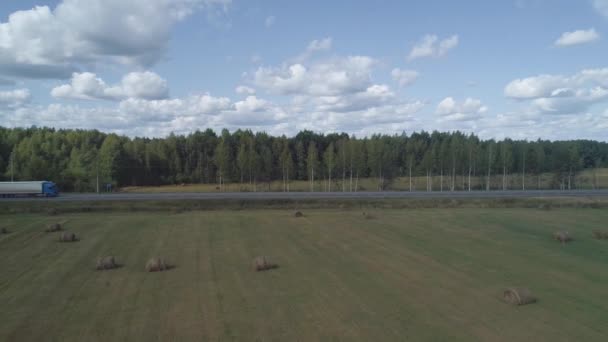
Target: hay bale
298 214
261 263
54 227
518 296
106 263
368 216
544 206
67 237
600 235
3 230
156 265
562 237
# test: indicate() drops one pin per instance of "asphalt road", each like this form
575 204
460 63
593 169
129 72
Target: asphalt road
311 195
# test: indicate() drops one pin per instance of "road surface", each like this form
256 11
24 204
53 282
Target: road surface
312 195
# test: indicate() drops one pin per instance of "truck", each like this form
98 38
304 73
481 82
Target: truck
30 188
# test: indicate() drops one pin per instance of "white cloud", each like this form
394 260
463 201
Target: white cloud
315 46
45 43
570 101
601 6
431 46
320 45
334 77
559 94
145 85
555 85
253 111
154 117
87 86
537 86
468 110
577 37
14 98
200 104
404 77
244 90
270 20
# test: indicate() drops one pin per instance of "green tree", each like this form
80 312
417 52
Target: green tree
312 164
329 159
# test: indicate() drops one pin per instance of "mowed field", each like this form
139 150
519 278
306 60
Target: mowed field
427 274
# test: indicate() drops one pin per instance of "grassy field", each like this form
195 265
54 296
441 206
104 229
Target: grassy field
583 180
428 274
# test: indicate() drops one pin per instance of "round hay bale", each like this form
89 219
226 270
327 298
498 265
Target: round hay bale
298 214
600 235
67 237
3 230
106 263
261 263
562 237
518 296
156 265
54 227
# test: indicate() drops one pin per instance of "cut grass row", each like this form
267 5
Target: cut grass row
178 206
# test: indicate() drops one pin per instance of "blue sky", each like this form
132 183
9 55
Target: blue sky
517 68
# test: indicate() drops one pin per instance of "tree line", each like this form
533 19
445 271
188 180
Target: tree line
78 160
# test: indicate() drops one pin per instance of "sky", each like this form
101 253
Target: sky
524 69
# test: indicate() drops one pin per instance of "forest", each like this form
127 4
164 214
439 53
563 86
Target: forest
78 160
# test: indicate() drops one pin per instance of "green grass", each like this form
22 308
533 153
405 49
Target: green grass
583 180
427 274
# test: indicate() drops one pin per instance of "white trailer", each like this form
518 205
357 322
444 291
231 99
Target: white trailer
32 188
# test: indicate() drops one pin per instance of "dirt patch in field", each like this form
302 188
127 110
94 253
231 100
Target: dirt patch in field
518 296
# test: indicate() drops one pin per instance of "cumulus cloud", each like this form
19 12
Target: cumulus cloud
537 86
451 110
329 78
315 46
244 90
200 104
431 46
561 94
87 86
134 116
14 98
404 77
577 37
45 43
319 45
338 90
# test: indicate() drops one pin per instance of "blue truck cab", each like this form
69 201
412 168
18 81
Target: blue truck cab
49 189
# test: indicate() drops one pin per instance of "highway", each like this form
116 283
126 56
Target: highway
130 196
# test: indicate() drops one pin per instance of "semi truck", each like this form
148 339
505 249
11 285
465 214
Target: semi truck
32 188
